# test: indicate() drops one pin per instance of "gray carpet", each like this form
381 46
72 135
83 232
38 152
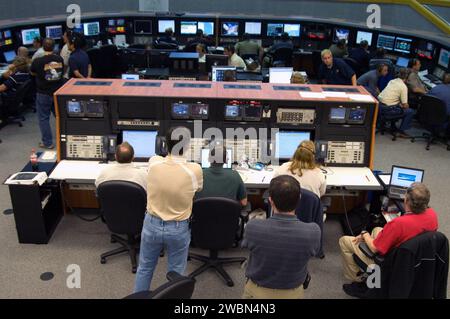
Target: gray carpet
81 243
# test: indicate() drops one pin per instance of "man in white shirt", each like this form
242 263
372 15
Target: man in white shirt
40 52
65 52
233 58
394 101
124 170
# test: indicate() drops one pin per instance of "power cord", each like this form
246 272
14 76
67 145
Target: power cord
346 216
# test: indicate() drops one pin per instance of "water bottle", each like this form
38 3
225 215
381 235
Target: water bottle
34 160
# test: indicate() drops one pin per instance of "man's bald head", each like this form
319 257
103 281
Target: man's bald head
124 153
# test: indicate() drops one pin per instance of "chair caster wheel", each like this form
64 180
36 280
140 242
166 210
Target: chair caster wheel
428 148
103 261
413 140
230 284
113 241
394 139
134 270
20 125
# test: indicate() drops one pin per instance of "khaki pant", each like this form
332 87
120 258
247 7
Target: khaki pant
348 249
253 291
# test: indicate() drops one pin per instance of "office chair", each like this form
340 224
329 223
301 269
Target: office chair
178 287
13 106
109 63
392 119
95 57
123 205
191 47
282 57
161 45
215 222
356 67
432 114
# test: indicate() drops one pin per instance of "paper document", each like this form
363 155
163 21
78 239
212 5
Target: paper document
360 97
312 95
335 94
48 156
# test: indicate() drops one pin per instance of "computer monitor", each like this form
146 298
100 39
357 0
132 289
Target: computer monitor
230 29
143 27
7 34
29 35
404 177
143 142
275 29
364 36
439 73
206 26
54 31
293 29
219 72
338 115
253 112
188 27
402 62
163 25
402 45
233 112
281 75
444 58
253 28
180 111
215 60
9 56
287 143
386 42
91 29
78 28
131 77
341 34
207 164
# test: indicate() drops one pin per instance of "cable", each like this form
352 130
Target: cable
346 216
78 215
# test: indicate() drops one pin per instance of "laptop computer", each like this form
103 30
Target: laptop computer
401 179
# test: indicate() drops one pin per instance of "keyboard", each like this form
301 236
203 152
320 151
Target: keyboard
433 78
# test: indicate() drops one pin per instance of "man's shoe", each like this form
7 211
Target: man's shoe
402 134
355 289
50 147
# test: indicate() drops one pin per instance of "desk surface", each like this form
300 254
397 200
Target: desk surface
350 178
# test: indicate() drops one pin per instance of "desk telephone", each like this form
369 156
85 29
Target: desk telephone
340 152
90 147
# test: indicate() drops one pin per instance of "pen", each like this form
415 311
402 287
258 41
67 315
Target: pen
367 179
264 179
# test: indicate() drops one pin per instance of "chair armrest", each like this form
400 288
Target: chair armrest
366 251
172 276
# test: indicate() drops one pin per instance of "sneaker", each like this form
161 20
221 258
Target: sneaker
50 147
356 289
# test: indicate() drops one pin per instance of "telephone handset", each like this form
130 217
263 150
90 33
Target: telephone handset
161 146
321 151
109 147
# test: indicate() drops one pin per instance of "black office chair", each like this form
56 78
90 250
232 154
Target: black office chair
392 119
95 57
191 47
282 57
13 106
161 45
123 205
110 63
356 67
178 287
432 114
215 222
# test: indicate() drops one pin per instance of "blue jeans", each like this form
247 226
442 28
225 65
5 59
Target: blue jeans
157 234
408 115
45 106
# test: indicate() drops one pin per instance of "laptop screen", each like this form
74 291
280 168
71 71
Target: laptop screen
405 177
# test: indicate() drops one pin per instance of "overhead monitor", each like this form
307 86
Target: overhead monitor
29 35
230 29
7 34
188 27
9 56
143 142
55 32
131 77
292 29
233 112
253 28
206 26
341 34
402 62
287 142
275 29
386 42
205 158
444 57
403 45
281 75
163 25
364 36
143 27
91 29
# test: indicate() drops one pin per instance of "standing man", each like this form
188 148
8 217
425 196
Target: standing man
37 45
280 247
79 63
172 184
335 70
48 71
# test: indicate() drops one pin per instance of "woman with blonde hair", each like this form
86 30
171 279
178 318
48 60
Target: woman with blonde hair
304 168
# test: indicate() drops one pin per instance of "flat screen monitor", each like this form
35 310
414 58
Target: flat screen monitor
275 29
386 42
55 32
402 45
29 35
163 25
404 177
338 115
230 29
207 164
281 75
112 23
7 34
215 60
287 143
207 27
9 56
444 58
341 34
188 27
439 73
143 27
143 142
219 73
253 112
293 29
94 109
130 77
356 115
364 36
75 109
233 112
180 111
91 29
199 111
253 28
402 62
120 22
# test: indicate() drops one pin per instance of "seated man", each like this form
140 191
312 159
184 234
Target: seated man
394 100
416 88
371 79
442 91
339 49
233 58
418 219
361 54
335 70
221 182
280 247
168 37
124 170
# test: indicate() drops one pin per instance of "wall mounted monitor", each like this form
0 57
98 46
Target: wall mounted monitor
403 45
287 142
143 142
163 25
444 57
341 34
188 27
91 29
364 36
275 29
253 112
54 31
233 112
7 34
293 29
9 56
5 38
206 26
386 42
142 27
230 29
180 111
253 28
29 35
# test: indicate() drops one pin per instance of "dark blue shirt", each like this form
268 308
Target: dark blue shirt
281 45
361 56
442 91
79 61
339 74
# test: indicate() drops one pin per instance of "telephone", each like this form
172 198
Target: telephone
321 151
340 152
109 147
161 146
